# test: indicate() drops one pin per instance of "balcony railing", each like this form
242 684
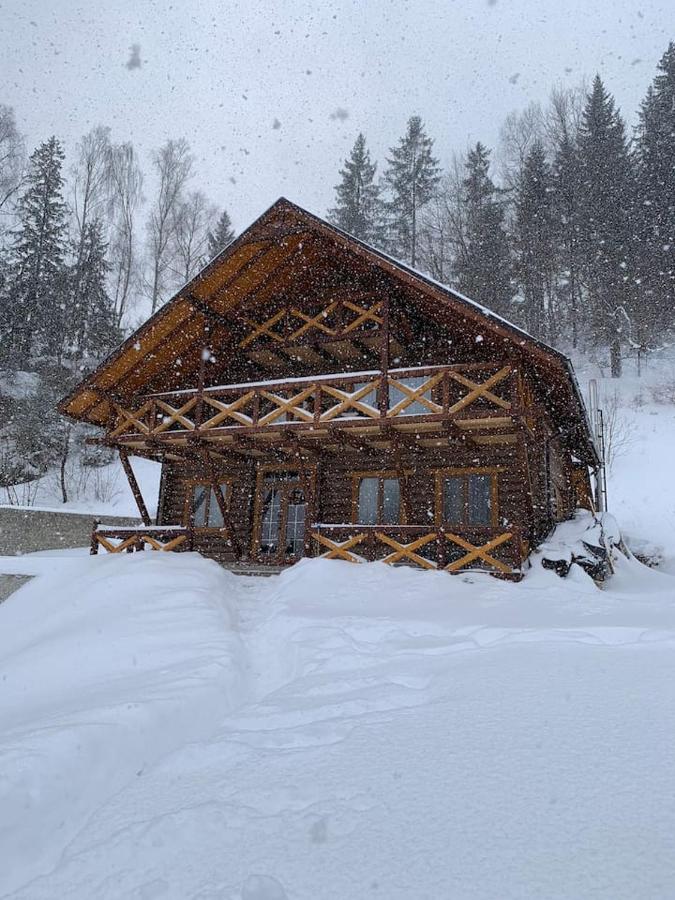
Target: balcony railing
474 548
115 539
464 393
498 551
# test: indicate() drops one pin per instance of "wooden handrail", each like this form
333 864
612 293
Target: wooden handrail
424 547
445 393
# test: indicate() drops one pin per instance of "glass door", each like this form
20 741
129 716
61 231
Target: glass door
283 506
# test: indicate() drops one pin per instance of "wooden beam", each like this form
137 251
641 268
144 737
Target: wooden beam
349 441
203 307
383 392
222 504
251 297
133 484
399 438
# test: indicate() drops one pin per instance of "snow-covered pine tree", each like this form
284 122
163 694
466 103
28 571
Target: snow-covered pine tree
483 265
91 327
606 212
655 206
535 242
566 185
222 235
358 207
33 318
412 176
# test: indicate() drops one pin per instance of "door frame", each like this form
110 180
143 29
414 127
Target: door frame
307 480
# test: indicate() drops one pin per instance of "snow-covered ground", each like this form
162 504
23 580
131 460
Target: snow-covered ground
170 730
100 491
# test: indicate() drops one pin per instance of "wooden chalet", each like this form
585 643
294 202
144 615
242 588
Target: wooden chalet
308 395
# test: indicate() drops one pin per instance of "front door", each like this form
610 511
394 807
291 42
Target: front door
281 525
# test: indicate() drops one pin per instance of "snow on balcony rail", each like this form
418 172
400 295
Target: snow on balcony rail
310 379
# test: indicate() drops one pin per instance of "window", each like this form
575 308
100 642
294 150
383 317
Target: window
468 498
282 511
295 522
205 508
379 500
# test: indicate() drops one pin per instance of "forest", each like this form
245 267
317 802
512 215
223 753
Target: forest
566 227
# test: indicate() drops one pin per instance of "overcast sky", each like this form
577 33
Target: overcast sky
271 93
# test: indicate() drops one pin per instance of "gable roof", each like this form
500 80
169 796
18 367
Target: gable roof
249 264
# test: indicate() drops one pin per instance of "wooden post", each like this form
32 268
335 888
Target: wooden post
311 480
383 391
133 484
255 410
317 404
199 411
93 549
222 504
441 549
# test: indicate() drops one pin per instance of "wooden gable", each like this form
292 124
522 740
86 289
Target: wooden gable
295 296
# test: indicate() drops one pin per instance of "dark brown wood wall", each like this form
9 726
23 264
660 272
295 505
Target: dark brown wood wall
178 481
335 483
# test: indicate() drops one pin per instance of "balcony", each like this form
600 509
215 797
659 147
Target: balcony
477 396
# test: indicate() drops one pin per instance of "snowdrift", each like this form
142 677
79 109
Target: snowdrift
103 671
338 731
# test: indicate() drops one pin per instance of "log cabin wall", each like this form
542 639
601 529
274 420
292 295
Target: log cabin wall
337 478
179 480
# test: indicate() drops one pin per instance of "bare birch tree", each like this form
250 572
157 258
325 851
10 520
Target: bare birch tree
173 164
194 218
516 137
12 160
443 230
89 179
125 195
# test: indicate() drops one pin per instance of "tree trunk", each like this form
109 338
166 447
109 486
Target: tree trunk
615 358
64 460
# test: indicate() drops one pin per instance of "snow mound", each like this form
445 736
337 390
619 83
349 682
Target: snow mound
590 541
104 670
340 731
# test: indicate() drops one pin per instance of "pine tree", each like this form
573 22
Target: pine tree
606 207
221 236
483 266
534 241
412 177
655 207
91 327
358 208
566 183
35 300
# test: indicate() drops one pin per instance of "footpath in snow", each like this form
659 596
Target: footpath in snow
169 730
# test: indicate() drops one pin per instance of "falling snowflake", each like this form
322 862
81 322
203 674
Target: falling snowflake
340 114
134 61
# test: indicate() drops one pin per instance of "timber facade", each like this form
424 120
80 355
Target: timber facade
307 395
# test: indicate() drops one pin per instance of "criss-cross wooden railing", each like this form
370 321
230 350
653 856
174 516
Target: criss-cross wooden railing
459 392
340 318
499 551
131 539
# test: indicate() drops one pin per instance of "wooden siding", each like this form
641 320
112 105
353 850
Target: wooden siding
334 502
